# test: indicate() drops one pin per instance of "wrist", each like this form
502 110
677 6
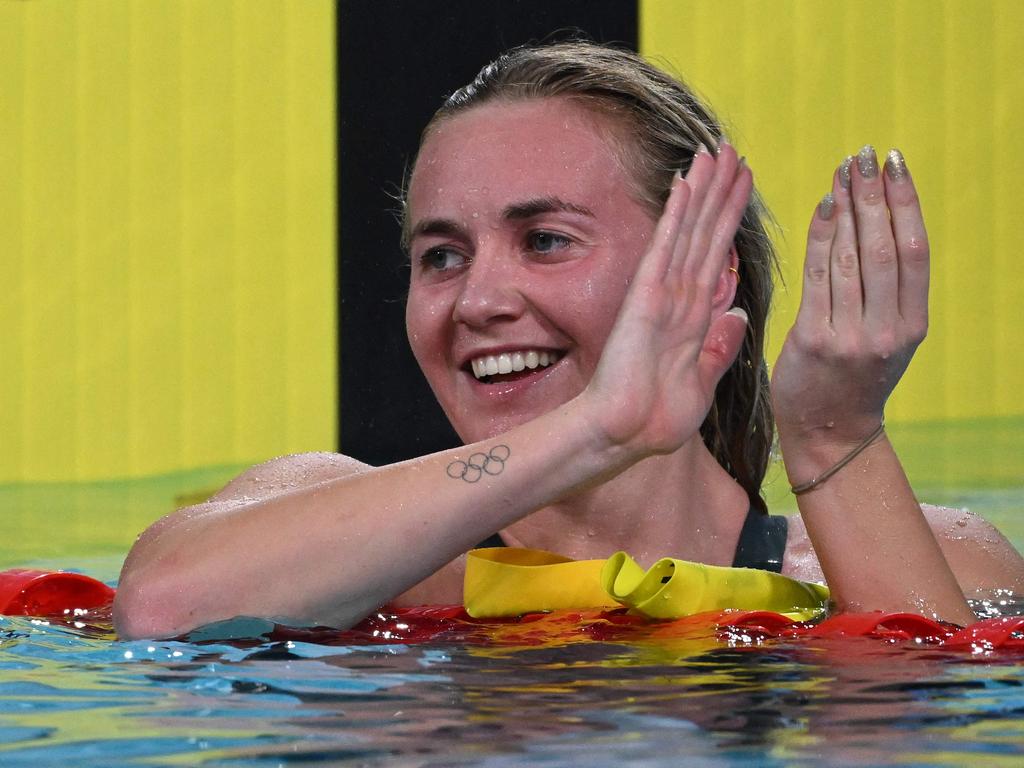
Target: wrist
811 459
602 437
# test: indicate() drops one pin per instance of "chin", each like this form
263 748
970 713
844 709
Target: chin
487 429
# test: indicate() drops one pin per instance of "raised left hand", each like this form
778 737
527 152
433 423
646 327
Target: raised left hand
863 312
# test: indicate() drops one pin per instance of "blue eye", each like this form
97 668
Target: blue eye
547 242
441 259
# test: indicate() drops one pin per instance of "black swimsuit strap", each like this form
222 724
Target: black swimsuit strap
762 542
494 540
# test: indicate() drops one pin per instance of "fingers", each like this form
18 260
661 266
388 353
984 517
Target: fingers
699 222
867 249
714 181
879 269
911 242
816 300
844 256
728 223
666 234
722 344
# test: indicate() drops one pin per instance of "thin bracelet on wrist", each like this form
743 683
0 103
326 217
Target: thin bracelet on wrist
810 485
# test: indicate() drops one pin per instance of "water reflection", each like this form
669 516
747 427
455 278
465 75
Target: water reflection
643 700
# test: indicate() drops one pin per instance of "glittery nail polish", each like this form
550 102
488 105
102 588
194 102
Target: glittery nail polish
867 163
844 172
895 165
827 207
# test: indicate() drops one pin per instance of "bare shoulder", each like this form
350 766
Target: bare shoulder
980 556
287 473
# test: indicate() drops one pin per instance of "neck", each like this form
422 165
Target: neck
681 505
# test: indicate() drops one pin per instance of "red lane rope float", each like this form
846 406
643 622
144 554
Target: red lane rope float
28 592
451 624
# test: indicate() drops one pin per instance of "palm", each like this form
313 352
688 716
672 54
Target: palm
863 312
665 355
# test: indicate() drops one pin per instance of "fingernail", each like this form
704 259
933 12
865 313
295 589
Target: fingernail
867 163
722 143
895 165
702 149
739 312
827 207
844 172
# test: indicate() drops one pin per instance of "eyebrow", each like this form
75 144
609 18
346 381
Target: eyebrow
539 205
515 212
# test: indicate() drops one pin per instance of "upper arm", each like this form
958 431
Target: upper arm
980 556
261 482
288 473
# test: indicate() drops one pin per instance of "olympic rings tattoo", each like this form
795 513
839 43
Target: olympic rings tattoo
473 468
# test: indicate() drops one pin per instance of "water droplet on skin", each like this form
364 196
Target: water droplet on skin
476 215
830 424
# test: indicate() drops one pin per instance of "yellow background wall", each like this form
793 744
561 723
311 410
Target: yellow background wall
167 235
802 84
167 206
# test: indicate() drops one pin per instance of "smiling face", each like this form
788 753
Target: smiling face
524 235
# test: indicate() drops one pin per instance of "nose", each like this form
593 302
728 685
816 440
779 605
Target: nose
491 291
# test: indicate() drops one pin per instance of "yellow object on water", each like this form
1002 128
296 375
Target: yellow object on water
510 581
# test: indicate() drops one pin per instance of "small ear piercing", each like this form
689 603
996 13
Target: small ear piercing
737 273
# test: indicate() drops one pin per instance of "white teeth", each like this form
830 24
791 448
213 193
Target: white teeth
507 362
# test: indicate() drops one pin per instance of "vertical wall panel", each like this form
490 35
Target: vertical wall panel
167 231
156 212
803 84
101 254
310 309
13 276
398 62
51 217
1005 199
209 164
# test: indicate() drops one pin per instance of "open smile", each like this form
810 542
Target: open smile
508 366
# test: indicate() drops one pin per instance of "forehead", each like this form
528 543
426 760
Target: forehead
522 149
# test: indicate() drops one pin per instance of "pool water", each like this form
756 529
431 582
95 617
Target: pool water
245 693
75 696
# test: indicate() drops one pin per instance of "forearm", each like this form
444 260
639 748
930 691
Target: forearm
333 552
875 546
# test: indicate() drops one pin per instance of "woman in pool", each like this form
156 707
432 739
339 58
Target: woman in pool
588 299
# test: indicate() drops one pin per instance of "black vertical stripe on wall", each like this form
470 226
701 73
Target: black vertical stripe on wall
397 61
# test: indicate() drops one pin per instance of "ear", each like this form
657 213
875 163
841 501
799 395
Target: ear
728 282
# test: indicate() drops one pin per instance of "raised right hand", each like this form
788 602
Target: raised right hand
673 340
